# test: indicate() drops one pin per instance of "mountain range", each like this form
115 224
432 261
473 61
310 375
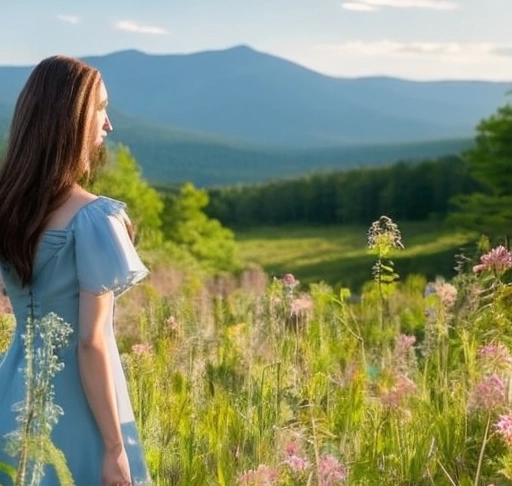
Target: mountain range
218 111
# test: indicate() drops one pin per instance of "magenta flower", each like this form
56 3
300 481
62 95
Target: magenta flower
498 260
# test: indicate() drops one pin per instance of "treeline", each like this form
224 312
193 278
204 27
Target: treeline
405 191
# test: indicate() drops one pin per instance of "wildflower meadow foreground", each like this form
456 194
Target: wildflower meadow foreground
260 382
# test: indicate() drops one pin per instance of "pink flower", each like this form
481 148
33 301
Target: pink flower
292 448
404 358
447 293
263 476
297 463
504 428
301 305
488 393
494 357
402 389
405 341
330 471
142 349
289 280
498 259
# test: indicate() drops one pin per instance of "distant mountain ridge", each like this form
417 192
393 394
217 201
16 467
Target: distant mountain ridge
240 93
224 105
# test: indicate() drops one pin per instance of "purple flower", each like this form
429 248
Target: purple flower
504 428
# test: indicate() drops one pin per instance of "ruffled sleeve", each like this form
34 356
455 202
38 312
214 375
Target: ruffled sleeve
105 256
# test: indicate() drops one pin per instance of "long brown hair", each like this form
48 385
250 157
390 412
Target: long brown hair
48 151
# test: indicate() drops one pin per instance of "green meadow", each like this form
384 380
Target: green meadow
339 256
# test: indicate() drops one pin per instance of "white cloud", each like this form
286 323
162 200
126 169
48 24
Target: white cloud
71 19
411 60
395 48
131 26
373 5
359 7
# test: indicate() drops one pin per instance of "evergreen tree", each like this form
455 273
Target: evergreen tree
490 161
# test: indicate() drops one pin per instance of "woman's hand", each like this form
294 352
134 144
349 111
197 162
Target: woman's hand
116 469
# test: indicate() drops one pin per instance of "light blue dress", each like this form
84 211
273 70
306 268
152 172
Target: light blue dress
93 253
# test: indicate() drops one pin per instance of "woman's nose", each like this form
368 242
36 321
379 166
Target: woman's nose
107 126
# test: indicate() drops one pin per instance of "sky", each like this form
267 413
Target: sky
411 39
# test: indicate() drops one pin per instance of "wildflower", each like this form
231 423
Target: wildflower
498 260
430 289
292 448
262 476
494 357
172 324
330 471
289 280
296 463
504 428
142 349
404 358
384 232
38 413
402 389
488 393
301 305
405 341
446 292
294 460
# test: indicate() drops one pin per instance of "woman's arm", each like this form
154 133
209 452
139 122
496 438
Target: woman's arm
98 381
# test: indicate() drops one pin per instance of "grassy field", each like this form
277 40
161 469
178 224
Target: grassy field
287 386
338 255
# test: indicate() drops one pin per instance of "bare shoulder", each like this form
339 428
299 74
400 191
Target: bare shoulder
61 217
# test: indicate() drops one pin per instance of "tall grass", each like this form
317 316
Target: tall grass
296 386
269 382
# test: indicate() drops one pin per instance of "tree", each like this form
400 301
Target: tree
490 163
121 179
491 158
185 223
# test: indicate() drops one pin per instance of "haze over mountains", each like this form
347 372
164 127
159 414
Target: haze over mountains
242 101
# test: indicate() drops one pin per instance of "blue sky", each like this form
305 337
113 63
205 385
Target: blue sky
413 39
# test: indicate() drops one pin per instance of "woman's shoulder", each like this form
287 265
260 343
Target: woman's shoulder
83 204
103 204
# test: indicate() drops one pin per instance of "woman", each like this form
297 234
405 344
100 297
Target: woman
67 251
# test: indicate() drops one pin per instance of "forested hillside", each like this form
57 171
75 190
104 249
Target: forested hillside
405 191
